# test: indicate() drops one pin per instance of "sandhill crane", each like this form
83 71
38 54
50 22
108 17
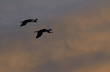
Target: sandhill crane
27 21
40 32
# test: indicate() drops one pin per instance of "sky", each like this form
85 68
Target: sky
24 9
79 42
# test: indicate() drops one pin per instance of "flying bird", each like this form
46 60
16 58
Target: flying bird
27 21
40 32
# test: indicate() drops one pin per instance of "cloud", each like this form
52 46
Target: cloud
80 43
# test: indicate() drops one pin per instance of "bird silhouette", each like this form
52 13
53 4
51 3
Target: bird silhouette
27 21
40 32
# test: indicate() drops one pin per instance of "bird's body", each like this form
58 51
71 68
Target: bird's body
40 32
27 21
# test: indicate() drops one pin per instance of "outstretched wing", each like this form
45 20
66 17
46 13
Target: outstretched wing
24 23
39 34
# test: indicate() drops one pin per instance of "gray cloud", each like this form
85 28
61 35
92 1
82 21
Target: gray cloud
13 11
80 43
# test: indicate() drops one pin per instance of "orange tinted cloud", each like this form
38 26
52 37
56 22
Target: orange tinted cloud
79 44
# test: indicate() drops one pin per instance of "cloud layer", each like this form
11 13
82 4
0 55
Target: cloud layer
80 43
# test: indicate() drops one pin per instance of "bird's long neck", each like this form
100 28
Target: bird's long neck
49 31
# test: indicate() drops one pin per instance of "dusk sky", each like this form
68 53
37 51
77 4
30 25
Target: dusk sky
79 43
